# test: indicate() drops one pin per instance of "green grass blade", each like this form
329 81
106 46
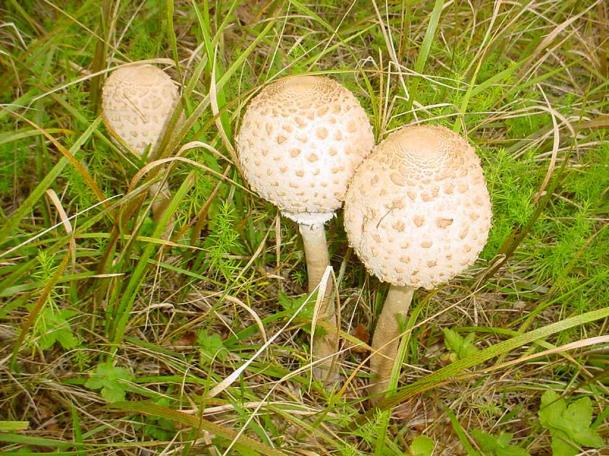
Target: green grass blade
49 179
430 33
424 51
148 408
452 371
11 426
461 434
136 280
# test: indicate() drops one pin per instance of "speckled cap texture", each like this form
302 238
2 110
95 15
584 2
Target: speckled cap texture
418 211
300 142
137 102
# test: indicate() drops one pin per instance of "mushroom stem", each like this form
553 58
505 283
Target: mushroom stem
386 339
316 252
324 346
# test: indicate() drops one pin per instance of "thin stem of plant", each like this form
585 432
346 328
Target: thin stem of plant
386 339
161 196
324 346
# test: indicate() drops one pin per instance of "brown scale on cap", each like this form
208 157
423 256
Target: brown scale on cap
137 102
315 128
445 226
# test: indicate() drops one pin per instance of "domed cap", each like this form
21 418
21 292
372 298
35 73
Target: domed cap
418 211
137 102
300 142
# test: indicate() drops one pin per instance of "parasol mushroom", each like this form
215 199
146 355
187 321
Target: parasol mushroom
417 213
137 102
301 139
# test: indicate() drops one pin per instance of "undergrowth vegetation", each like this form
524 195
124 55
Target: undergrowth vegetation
191 334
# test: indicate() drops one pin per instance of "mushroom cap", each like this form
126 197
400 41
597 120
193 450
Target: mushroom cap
418 211
137 102
301 140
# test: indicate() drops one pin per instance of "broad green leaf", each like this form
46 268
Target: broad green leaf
57 328
568 425
212 346
113 381
551 410
561 445
462 347
579 414
497 445
422 446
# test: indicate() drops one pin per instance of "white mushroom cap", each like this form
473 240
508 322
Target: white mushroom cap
418 211
137 102
301 140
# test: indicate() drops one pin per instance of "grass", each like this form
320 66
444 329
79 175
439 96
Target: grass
119 339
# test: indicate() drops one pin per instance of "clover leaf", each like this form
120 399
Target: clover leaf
569 424
113 381
422 446
54 327
462 347
212 346
497 445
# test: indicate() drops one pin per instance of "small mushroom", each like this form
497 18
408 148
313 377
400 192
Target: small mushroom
137 102
417 213
301 139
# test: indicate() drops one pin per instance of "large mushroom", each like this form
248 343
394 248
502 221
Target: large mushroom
137 102
301 139
417 214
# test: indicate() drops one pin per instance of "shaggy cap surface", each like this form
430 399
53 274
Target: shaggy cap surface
418 211
300 142
137 102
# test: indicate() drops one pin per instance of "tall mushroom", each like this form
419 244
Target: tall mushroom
417 213
137 102
301 139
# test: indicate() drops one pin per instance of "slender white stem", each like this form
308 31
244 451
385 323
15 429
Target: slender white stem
386 339
326 345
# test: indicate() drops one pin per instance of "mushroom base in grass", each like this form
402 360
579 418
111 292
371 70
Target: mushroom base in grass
386 338
325 346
